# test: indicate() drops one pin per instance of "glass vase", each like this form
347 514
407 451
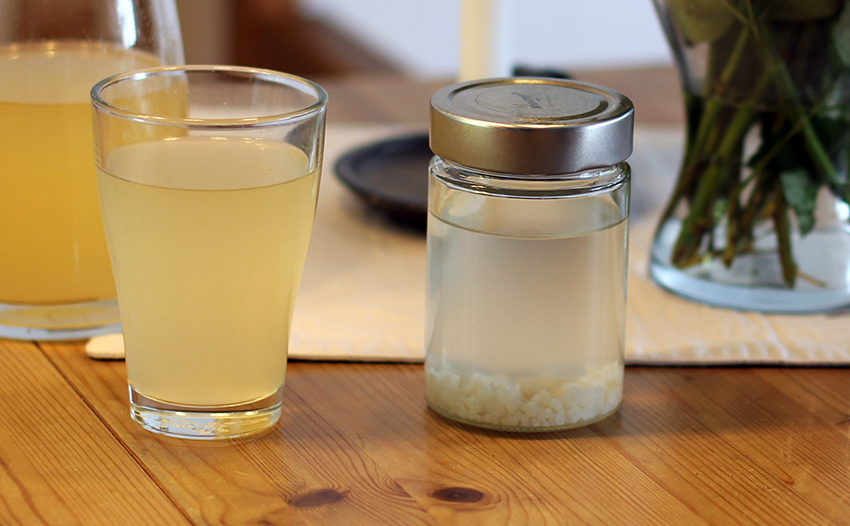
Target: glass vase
758 218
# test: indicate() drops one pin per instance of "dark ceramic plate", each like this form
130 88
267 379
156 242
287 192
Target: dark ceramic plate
391 176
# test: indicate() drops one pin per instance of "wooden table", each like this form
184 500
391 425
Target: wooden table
356 444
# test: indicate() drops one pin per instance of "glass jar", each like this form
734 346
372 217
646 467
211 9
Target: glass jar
527 253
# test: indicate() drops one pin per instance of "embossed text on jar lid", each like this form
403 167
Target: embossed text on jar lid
531 125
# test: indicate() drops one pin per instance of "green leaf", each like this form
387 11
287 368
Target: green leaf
701 20
835 97
778 151
801 194
801 10
834 134
841 36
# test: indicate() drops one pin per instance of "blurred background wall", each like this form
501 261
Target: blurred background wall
416 38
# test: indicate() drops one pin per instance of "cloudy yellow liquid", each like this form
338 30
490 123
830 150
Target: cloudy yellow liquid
208 238
52 247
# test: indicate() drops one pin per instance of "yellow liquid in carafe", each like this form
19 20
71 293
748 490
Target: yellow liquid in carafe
52 246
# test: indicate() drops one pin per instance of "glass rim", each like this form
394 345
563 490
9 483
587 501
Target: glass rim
243 122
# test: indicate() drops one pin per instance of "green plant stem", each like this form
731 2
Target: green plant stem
740 228
711 184
795 109
783 236
697 222
717 100
708 119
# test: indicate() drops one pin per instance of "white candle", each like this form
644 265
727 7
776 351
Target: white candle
485 43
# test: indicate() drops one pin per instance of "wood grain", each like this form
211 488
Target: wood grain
305 471
58 463
718 440
357 445
553 478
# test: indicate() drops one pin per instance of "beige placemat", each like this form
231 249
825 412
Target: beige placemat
362 296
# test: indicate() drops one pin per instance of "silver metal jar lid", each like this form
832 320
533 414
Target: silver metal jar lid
531 125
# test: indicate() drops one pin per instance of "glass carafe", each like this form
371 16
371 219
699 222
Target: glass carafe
55 275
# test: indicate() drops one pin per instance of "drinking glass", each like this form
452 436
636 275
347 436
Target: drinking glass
208 179
55 276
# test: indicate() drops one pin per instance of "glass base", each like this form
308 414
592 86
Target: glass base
75 321
205 422
524 429
528 403
754 281
756 299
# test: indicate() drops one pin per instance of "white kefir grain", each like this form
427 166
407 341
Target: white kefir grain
529 402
